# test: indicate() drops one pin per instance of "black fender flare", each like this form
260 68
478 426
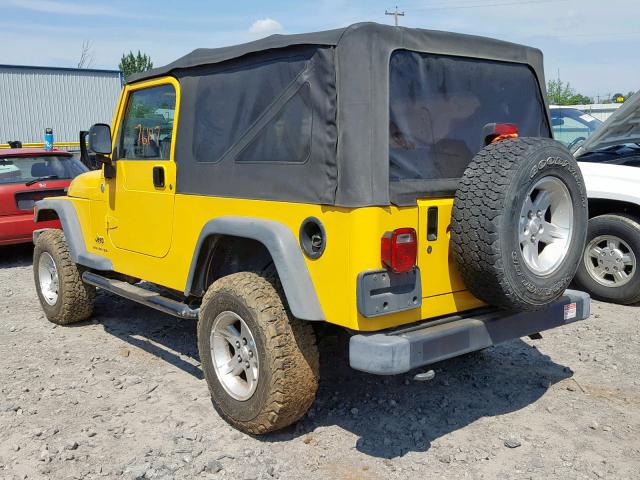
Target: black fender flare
285 251
66 212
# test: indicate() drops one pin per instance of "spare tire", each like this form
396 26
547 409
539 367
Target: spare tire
519 223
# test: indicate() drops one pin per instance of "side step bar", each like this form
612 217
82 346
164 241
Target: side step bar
141 295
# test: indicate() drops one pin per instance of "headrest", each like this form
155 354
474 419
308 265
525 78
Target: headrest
40 170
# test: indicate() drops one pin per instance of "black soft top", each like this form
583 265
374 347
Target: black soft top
358 64
351 39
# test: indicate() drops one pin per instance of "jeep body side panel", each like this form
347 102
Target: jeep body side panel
68 216
286 255
353 246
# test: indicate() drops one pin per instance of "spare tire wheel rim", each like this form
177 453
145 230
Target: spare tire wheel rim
234 355
610 261
546 225
48 278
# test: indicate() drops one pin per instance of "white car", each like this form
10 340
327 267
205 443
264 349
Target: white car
571 126
610 163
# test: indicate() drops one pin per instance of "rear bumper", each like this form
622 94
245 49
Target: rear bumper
19 228
400 350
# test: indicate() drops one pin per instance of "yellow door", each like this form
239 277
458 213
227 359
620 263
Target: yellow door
139 214
439 273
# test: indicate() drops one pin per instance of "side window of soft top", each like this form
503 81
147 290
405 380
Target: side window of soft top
147 124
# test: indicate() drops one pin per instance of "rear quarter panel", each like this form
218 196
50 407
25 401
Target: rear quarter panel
353 246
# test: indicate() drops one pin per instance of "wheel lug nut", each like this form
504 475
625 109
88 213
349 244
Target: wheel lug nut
251 353
239 359
237 344
246 365
244 341
530 214
533 239
539 213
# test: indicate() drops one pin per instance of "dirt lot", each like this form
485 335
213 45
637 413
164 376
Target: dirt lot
123 396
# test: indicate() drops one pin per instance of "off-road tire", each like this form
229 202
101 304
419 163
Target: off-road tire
626 228
486 218
75 298
288 355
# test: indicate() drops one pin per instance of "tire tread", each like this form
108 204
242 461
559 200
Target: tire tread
77 297
478 211
291 347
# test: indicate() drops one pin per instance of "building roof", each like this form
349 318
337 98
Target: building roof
62 69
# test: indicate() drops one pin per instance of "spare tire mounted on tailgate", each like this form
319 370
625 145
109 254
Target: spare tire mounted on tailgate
519 223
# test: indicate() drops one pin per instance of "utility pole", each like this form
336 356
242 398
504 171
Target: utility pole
395 13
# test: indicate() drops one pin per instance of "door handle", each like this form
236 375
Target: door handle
158 177
432 224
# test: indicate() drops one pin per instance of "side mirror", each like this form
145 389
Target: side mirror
100 140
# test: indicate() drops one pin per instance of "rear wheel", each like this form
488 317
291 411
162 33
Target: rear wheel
519 223
261 364
609 266
64 297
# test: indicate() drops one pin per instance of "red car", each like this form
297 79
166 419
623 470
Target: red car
26 176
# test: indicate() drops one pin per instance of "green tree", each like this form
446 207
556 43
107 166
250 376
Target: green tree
560 93
130 64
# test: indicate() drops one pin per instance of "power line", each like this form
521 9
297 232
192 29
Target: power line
611 34
484 5
395 13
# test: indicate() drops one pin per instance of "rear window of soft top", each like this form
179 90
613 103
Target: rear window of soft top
439 105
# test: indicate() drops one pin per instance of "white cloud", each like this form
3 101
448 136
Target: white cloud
265 26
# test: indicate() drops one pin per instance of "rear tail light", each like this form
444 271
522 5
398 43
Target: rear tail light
495 132
399 249
506 129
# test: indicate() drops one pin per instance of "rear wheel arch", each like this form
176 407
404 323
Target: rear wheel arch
221 255
233 237
604 206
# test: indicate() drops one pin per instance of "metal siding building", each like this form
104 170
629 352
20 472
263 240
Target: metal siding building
65 99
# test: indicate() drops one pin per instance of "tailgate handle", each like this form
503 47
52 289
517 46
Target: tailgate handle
432 223
158 177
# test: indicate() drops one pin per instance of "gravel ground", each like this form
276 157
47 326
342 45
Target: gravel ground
123 396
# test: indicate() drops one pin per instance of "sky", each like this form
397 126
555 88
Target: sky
592 44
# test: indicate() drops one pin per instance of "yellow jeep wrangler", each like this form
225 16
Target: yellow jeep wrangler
399 183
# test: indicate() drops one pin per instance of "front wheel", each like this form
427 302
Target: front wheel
609 266
261 364
64 297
